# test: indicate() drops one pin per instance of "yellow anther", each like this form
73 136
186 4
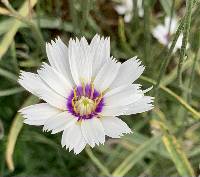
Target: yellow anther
75 95
74 107
98 99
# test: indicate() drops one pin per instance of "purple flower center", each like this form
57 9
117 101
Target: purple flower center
85 102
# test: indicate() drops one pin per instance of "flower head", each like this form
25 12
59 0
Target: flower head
84 90
163 33
126 8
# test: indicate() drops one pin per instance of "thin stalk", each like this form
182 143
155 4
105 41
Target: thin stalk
122 37
186 31
191 79
96 161
171 16
168 57
85 13
14 57
11 91
73 15
29 22
147 36
8 75
195 113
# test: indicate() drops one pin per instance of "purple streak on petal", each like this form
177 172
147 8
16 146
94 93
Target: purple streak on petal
87 90
100 106
79 91
95 94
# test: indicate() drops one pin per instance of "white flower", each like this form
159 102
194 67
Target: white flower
126 8
85 90
163 34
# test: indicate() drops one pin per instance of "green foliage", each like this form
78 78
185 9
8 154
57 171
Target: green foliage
165 141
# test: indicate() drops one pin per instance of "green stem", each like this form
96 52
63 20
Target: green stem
168 57
97 162
186 31
85 12
191 79
11 91
73 15
171 16
14 57
122 37
195 113
147 37
29 22
8 75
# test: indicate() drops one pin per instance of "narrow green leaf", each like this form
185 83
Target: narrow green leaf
13 28
186 30
8 74
136 156
97 162
194 112
178 156
14 132
10 91
166 5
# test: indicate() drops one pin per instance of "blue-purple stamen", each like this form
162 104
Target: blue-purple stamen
89 92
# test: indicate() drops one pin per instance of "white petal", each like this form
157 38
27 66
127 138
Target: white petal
85 61
37 114
173 25
80 59
106 75
140 8
179 41
93 131
121 9
55 80
128 17
114 110
33 83
161 32
59 122
114 127
57 53
123 95
72 138
128 72
141 105
100 52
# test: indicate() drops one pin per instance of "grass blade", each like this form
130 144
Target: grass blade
97 162
10 91
178 156
8 75
195 113
186 31
135 156
166 5
9 36
14 132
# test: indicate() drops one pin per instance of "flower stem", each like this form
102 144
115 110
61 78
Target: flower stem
191 78
147 37
196 114
97 162
168 57
186 31
30 23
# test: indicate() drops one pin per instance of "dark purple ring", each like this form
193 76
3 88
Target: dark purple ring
91 93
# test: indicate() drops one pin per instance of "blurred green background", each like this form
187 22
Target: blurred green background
165 141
